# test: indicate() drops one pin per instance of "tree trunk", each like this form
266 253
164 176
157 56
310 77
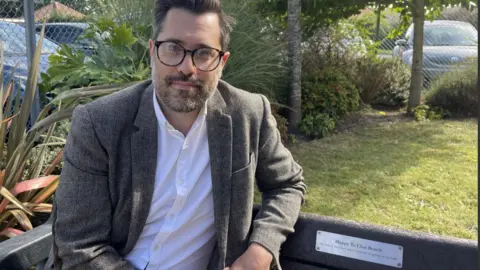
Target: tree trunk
294 37
377 29
418 12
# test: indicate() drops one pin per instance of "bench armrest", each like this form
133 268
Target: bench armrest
27 249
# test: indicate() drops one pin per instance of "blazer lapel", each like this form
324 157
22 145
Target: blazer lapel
219 130
144 144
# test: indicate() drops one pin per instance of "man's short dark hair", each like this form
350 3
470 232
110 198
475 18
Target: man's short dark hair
196 7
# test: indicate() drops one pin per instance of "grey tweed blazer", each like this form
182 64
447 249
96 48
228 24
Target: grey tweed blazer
107 181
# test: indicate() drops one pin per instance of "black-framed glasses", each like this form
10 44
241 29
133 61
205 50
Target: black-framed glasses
172 54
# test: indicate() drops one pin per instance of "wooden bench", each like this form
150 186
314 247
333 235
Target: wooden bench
318 243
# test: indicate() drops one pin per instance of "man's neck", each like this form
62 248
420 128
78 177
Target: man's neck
182 122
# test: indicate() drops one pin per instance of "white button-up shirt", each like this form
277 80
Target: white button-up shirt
179 232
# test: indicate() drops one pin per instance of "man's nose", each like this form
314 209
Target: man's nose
187 66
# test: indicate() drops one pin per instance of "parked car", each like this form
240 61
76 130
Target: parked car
70 34
446 44
13 39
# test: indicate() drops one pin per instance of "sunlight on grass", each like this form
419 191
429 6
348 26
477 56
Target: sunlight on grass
411 175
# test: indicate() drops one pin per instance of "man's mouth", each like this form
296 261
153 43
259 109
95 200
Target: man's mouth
184 85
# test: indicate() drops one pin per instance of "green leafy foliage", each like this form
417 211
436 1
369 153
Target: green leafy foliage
121 56
426 113
457 91
327 96
317 125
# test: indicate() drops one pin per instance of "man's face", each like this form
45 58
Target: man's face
186 87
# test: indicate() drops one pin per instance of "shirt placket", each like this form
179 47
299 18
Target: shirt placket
180 197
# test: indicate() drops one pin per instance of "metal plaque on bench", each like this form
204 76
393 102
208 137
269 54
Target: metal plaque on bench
360 249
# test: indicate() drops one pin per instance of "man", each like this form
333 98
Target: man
161 175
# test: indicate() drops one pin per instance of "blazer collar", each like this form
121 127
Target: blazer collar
145 118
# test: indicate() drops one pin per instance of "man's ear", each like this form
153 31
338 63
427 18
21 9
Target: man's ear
151 47
225 58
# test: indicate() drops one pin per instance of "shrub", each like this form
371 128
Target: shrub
398 87
379 81
327 96
337 47
372 77
456 91
382 81
424 112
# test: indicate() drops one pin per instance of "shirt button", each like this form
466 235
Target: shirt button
155 248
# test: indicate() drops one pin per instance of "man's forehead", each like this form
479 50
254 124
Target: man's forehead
190 28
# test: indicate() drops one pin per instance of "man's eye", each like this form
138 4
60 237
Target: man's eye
205 53
173 48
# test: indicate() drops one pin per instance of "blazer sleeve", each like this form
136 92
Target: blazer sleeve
81 225
280 180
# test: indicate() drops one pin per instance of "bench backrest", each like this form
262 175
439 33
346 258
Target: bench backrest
329 243
318 243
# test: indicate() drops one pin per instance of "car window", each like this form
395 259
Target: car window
14 40
448 35
63 33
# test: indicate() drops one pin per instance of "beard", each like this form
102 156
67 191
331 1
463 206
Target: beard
184 101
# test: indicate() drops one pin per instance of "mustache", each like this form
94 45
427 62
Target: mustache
184 78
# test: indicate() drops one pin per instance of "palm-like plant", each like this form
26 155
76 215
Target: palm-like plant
26 179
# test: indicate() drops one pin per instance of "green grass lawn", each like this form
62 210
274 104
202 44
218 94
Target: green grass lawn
413 175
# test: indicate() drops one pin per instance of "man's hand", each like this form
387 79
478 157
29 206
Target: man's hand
255 258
